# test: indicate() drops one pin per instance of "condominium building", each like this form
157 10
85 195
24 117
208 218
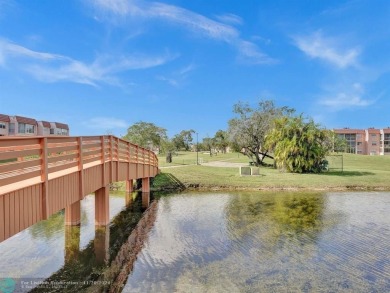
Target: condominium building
23 126
369 141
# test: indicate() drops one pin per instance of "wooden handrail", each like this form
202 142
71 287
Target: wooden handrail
22 158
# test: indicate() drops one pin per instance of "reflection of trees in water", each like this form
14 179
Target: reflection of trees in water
299 213
51 227
275 215
273 246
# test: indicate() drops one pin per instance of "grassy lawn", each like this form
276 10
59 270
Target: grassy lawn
189 158
360 173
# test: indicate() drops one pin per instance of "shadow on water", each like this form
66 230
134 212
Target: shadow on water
83 268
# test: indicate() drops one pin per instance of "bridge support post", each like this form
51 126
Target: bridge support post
102 208
129 198
102 244
145 199
146 184
73 214
129 185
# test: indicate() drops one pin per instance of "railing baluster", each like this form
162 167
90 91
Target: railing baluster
44 178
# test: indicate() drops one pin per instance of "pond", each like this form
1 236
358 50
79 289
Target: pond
267 242
219 242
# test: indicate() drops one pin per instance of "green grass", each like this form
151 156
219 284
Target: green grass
360 173
189 158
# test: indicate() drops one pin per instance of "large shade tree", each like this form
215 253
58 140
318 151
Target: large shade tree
299 145
147 135
247 131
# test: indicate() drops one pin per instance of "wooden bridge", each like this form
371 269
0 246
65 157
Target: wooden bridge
42 175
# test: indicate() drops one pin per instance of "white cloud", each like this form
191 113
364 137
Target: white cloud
49 67
249 50
327 49
230 18
184 18
350 96
177 78
187 69
106 123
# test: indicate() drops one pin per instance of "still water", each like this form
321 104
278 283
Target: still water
220 242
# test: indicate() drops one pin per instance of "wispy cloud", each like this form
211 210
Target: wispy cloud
230 18
177 78
105 123
351 96
182 17
50 67
328 49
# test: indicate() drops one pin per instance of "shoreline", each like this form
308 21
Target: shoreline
199 187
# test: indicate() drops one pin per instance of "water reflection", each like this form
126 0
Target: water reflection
221 242
72 243
267 242
50 251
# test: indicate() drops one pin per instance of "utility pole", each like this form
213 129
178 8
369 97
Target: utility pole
197 150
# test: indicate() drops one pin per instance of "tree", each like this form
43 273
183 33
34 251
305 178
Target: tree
247 131
299 146
221 140
183 140
208 143
146 135
338 143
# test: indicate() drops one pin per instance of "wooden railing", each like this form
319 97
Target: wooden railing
42 175
28 161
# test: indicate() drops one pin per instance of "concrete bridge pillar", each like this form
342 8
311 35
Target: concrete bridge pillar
129 185
73 214
146 184
129 198
145 199
102 208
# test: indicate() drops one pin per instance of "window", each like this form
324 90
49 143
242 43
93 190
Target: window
373 134
21 128
373 143
11 129
26 128
372 153
359 143
30 128
51 130
2 125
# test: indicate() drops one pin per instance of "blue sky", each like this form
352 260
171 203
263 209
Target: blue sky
101 66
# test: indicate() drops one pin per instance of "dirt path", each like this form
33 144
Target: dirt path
224 164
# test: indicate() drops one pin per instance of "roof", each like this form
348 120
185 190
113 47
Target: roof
26 120
348 131
4 118
62 125
46 124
